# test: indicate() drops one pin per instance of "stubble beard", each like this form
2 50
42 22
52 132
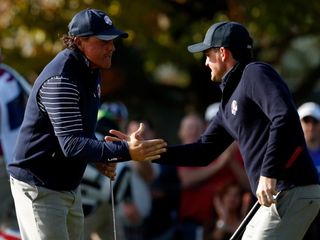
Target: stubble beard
214 78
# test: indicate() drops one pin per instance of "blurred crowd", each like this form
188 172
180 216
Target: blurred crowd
156 202
148 201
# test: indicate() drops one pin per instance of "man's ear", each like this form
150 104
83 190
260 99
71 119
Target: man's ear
78 43
224 53
227 57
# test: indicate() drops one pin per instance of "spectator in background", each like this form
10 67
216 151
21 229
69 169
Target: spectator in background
200 184
95 187
161 224
14 90
231 204
309 114
211 112
132 190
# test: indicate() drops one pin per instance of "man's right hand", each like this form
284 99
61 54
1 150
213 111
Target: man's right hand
139 149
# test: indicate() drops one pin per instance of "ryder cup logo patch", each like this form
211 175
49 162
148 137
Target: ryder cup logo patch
234 107
107 20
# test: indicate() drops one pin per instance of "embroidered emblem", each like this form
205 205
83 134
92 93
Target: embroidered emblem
234 107
107 20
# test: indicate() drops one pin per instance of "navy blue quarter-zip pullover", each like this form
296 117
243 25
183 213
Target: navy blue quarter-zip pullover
258 112
57 138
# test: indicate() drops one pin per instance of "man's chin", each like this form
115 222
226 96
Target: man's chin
105 67
215 79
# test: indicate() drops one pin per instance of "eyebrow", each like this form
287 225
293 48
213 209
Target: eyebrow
214 49
206 52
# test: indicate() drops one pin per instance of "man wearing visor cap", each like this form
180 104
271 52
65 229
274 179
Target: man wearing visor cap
257 111
57 137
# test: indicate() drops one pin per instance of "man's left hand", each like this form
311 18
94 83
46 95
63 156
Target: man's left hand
107 169
266 191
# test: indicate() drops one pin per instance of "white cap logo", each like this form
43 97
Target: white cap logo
107 20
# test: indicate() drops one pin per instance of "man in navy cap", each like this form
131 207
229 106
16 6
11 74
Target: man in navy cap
256 110
57 137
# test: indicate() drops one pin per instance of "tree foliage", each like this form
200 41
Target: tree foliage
152 67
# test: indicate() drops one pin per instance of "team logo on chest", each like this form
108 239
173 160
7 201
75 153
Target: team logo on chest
234 107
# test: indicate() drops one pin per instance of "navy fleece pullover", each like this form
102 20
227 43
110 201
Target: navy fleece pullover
258 112
57 139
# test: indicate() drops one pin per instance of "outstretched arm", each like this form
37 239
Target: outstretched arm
139 149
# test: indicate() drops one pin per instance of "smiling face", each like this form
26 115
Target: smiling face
98 52
215 63
220 61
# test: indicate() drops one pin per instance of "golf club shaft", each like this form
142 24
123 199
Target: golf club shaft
238 233
113 212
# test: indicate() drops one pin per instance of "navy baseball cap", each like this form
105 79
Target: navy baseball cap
93 22
224 34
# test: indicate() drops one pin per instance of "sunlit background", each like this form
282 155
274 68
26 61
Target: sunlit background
152 72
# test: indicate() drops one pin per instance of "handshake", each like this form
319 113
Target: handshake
139 149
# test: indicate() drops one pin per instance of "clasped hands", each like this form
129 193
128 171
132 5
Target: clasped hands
139 149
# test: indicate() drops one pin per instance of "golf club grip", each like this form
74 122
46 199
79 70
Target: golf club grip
245 221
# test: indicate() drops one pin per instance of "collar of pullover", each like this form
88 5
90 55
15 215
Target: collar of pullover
228 76
83 59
